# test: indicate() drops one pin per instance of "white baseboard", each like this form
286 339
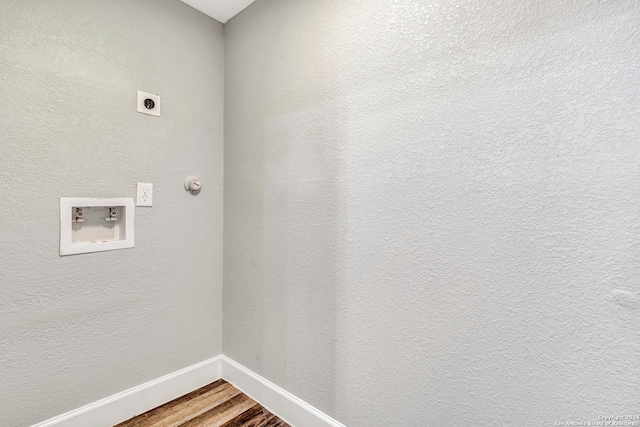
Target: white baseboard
137 400
286 406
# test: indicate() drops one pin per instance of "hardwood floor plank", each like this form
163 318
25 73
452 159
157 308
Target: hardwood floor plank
185 408
218 404
256 416
223 413
275 422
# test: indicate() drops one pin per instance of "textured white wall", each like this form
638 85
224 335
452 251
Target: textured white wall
432 208
80 328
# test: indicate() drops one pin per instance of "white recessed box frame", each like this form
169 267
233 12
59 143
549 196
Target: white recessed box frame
67 247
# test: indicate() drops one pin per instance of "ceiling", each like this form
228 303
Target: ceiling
221 10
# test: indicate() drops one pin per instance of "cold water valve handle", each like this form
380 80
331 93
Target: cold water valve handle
193 185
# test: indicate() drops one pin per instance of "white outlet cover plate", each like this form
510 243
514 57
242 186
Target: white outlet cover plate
142 96
144 194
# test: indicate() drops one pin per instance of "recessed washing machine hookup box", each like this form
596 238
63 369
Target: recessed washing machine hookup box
94 225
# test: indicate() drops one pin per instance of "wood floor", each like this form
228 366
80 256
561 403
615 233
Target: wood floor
217 405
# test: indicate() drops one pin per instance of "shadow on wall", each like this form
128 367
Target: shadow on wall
284 216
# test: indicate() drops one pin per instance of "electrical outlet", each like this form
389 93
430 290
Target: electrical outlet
148 103
145 195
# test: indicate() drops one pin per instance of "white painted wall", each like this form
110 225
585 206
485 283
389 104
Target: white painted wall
77 329
432 208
